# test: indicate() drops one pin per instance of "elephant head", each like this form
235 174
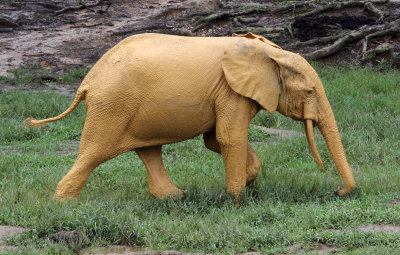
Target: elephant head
283 81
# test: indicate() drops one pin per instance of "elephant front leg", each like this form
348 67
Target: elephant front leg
233 143
234 155
252 162
160 184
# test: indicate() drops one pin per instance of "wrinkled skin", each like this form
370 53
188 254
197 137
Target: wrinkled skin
154 89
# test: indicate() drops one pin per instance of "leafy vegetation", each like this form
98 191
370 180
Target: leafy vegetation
290 204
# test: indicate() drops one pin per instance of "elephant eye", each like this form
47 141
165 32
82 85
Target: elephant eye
309 92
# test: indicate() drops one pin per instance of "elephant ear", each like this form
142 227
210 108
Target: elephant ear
251 73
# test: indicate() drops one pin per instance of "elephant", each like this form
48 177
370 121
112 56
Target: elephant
155 89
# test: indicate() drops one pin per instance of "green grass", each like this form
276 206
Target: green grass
24 74
290 203
75 75
35 73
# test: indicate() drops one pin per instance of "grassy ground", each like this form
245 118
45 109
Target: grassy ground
291 206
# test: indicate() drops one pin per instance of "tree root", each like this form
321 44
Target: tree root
5 22
369 7
366 53
78 7
204 21
321 40
348 38
338 6
383 48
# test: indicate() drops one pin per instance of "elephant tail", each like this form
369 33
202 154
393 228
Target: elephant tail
80 95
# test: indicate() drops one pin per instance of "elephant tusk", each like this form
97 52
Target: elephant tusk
309 128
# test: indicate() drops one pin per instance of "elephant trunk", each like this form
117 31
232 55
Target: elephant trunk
328 127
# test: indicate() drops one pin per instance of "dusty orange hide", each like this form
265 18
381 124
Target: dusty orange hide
155 89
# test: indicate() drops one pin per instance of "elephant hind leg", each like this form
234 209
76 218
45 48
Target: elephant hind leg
160 184
99 143
90 156
252 163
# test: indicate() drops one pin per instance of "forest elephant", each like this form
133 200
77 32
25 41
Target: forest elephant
155 89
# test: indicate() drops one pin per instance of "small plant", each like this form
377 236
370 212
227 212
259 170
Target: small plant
257 135
265 119
75 75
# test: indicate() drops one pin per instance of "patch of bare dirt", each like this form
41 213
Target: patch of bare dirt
324 249
380 228
64 148
37 32
395 202
6 231
280 132
79 38
318 249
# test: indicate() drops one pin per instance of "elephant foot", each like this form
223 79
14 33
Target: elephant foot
342 191
173 193
64 197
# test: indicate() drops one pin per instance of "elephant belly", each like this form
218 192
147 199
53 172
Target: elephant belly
171 120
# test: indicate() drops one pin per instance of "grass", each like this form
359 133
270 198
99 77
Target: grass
34 73
290 204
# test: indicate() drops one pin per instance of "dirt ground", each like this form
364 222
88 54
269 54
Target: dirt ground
77 38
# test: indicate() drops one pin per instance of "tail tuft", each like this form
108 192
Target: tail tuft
31 122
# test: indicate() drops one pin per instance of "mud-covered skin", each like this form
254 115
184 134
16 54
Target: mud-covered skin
154 89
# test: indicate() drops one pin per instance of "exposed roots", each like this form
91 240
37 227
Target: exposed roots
351 37
382 48
338 6
81 5
369 7
204 21
321 40
5 22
